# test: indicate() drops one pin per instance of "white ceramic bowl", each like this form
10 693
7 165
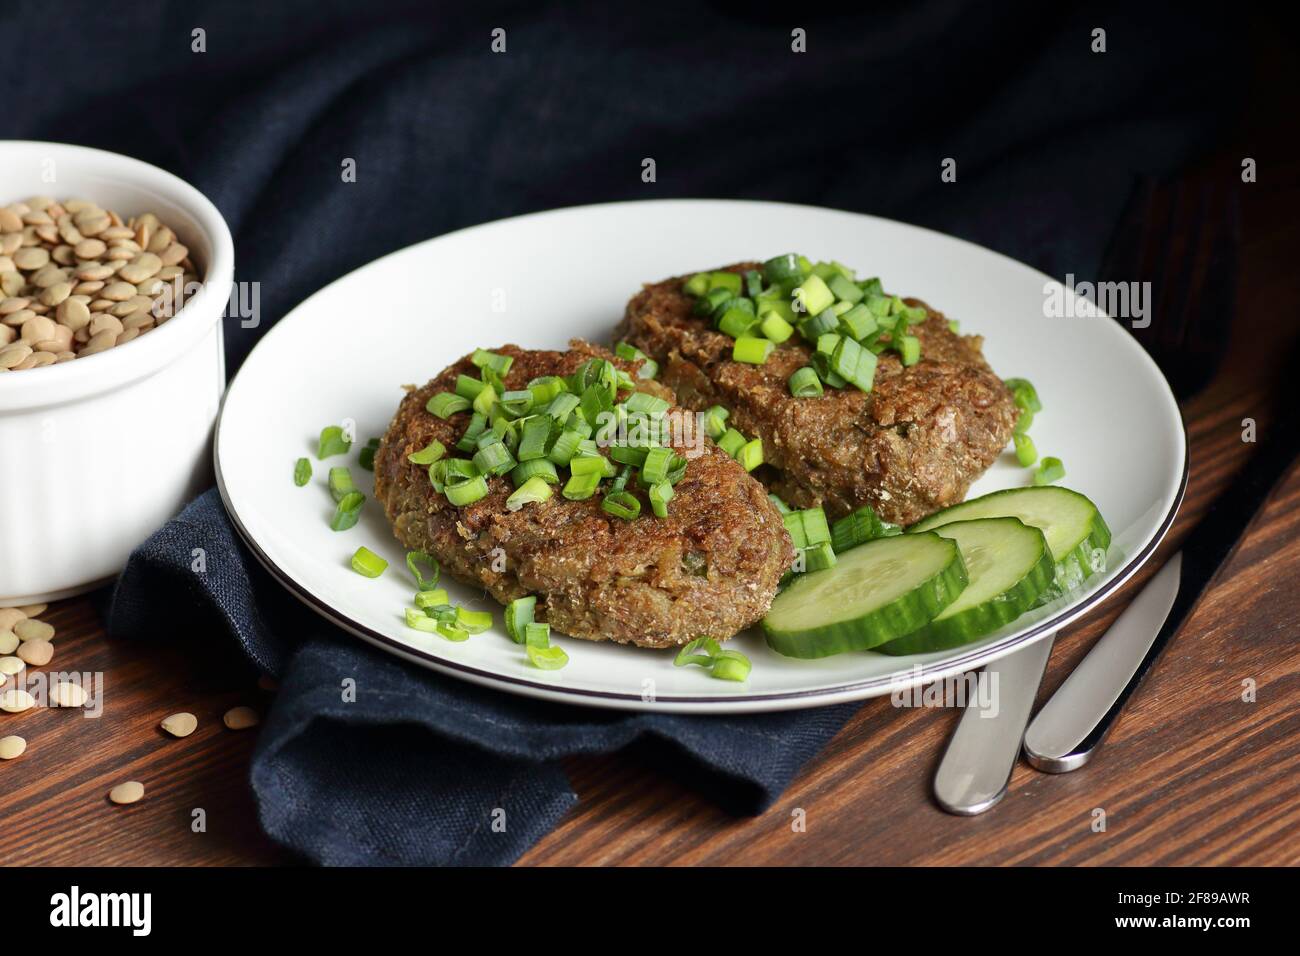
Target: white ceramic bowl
97 453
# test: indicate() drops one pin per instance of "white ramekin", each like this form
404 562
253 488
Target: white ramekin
97 453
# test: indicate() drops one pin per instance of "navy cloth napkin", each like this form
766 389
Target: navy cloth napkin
262 105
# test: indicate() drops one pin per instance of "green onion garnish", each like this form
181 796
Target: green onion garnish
1026 453
646 404
542 468
485 401
519 614
621 504
582 487
818 557
420 621
436 597
660 495
494 459
736 322
1024 393
547 658
366 457
731 665
340 483
731 442
781 506
469 388
776 328
909 349
725 280
813 295
428 454
1049 470
537 635
491 360
804 383
366 562
854 529
347 511
536 436
751 350
751 454
535 489
858 322
413 561
333 441
301 472
565 447
446 404
715 422
467 491
807 527
783 268
476 622
655 467
452 632
814 327
517 403
697 284
688 655
478 424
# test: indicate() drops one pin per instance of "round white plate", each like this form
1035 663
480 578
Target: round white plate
541 279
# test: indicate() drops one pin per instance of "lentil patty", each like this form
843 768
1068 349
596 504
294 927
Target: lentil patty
911 446
711 567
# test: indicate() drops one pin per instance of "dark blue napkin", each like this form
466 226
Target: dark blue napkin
262 106
419 768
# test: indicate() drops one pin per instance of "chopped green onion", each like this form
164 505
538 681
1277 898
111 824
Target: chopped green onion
784 268
697 284
478 423
333 441
628 454
1049 470
913 314
648 369
497 363
804 383
452 632
413 561
1026 453
436 597
715 422
646 404
542 468
347 511
858 322
909 349
854 529
819 557
706 303
535 489
781 506
581 487
621 504
731 442
753 283
494 459
807 527
813 295
517 403
545 389
519 614
485 401
446 404
1023 421
1024 393
420 621
688 655
731 665
596 403
655 468
736 322
750 455
775 328
872 287
547 658
562 405
467 491
301 472
751 350
476 622
537 635
565 447
660 494
365 562
469 388
366 457
725 280
954 326
537 435
878 304
428 454
815 326
844 289
598 465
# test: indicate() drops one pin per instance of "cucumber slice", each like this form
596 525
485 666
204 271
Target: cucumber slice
1076 534
877 592
1009 566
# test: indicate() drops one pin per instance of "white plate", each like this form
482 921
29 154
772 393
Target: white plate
538 281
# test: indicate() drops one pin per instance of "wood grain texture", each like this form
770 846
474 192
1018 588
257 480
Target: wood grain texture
1191 775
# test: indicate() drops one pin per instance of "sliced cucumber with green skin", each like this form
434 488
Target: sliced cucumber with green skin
877 592
1076 533
1009 566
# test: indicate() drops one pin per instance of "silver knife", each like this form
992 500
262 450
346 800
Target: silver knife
1071 726
982 751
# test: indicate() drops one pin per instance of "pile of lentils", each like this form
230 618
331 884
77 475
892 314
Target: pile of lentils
76 279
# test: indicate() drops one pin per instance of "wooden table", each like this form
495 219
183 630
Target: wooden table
1192 774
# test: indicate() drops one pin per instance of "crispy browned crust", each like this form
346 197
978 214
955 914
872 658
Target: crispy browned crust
711 567
911 446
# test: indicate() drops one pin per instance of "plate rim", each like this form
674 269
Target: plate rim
714 704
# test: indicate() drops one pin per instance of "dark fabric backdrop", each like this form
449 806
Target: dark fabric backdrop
1049 137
